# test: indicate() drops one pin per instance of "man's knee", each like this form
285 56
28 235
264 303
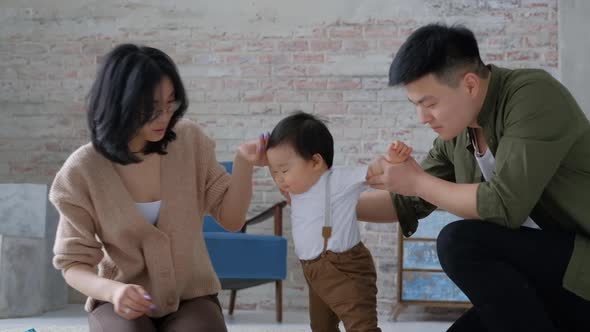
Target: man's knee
452 242
452 234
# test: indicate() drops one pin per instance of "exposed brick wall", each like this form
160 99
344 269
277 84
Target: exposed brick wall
243 78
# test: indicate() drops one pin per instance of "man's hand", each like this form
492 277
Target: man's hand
397 152
402 178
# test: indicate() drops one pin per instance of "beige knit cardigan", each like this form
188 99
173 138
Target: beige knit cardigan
100 225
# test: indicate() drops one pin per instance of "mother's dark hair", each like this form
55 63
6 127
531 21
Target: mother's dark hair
121 100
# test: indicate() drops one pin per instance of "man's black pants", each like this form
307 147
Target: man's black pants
512 277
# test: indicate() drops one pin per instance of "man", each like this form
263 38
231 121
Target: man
513 147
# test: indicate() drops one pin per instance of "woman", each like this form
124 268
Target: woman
131 203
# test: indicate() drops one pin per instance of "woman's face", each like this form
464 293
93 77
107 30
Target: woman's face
165 105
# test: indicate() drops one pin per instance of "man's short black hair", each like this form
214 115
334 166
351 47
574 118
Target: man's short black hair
447 52
121 100
307 135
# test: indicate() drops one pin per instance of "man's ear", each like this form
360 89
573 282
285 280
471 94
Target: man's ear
471 83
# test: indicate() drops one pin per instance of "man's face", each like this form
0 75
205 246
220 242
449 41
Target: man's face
447 110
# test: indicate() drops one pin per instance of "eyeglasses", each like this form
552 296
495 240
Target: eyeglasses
168 109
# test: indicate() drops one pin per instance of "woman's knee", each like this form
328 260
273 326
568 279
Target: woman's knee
104 319
200 314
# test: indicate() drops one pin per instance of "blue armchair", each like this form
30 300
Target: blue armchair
244 260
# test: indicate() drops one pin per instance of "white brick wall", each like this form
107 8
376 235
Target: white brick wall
245 68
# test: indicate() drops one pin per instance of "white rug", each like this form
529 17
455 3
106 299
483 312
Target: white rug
73 319
387 327
52 329
230 329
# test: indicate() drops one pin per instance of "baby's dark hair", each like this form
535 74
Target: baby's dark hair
307 135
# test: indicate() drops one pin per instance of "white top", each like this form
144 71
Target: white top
150 211
307 213
487 164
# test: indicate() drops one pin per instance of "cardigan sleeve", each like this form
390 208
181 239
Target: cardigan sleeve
217 180
75 241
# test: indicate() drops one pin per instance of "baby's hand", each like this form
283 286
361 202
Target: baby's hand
374 168
398 152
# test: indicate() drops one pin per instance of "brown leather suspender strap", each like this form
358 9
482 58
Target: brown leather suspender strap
327 229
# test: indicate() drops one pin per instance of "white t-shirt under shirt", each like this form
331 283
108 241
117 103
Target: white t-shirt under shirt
150 211
487 164
307 212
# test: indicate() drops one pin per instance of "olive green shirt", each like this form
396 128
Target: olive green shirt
540 139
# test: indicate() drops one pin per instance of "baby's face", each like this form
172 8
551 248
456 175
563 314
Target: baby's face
289 170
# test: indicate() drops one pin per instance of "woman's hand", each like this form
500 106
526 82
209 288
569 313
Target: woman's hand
131 301
255 151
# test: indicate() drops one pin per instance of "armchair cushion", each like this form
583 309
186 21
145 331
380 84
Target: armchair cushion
247 256
210 225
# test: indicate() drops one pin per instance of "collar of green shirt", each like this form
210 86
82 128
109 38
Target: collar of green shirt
485 118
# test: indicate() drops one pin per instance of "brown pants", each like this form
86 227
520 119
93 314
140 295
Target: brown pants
199 314
342 286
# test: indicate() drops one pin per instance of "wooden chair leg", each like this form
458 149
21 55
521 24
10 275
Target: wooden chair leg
232 301
279 300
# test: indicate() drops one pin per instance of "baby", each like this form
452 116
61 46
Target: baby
337 266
